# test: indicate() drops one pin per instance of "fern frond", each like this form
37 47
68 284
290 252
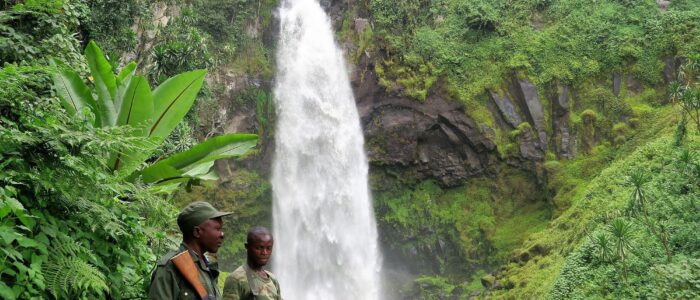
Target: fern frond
69 276
68 273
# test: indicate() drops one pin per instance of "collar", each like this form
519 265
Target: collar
204 264
250 270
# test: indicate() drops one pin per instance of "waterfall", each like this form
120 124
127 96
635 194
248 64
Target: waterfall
324 228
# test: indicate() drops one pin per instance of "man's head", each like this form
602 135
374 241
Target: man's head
201 223
259 246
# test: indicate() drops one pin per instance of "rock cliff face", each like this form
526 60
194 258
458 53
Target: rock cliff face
562 139
434 137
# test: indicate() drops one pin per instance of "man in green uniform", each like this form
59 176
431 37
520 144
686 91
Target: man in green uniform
251 280
200 224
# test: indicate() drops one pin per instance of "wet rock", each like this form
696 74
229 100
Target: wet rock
617 83
474 295
663 4
524 257
336 10
525 94
539 250
633 85
360 25
466 129
560 123
588 138
435 138
669 69
529 146
507 109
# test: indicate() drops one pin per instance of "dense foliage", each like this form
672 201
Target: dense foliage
76 221
646 245
69 228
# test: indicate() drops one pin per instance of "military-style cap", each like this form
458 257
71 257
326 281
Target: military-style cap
196 213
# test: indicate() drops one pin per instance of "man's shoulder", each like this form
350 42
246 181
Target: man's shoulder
271 275
165 259
239 274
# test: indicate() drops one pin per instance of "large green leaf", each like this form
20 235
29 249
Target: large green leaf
137 106
137 112
6 292
172 100
126 72
197 161
105 83
74 93
123 80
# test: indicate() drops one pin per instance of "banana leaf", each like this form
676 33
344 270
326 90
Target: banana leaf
105 83
172 100
197 161
74 93
137 106
137 112
123 80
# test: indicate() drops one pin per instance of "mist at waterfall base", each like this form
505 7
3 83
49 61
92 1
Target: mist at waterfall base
324 227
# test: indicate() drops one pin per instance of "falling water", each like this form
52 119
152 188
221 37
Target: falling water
324 227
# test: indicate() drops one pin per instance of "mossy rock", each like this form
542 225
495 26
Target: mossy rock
488 281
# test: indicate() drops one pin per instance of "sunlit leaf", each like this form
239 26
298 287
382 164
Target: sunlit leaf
105 83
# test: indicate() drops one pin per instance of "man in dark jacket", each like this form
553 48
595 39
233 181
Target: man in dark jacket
201 227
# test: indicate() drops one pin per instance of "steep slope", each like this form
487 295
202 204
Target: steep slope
563 260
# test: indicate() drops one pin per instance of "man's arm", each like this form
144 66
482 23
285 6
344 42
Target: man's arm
277 285
163 284
234 289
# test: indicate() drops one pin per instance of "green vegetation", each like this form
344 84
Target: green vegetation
127 100
79 217
611 225
686 92
69 228
454 233
652 234
475 45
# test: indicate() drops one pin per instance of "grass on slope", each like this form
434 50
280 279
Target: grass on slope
536 265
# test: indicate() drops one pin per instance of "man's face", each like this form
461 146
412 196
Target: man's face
209 235
259 250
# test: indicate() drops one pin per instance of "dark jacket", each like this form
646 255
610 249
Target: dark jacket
167 283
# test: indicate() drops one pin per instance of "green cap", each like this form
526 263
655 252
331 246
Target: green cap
196 213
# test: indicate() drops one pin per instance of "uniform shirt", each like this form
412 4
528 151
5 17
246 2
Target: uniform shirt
238 286
167 283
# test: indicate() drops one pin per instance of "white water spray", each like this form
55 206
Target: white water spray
324 227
